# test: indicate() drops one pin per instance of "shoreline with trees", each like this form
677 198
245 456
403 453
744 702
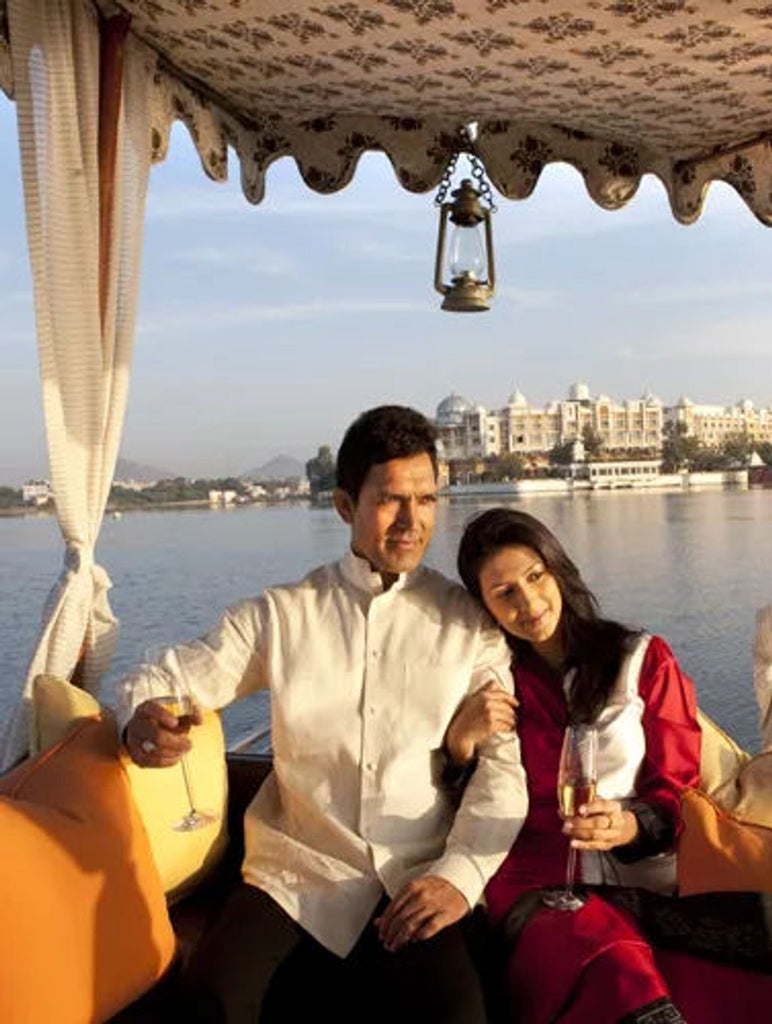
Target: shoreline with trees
680 454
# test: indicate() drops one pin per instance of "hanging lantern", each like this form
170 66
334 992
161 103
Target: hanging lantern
464 270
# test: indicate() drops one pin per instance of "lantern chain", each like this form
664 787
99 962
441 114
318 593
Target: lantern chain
478 173
447 178
483 185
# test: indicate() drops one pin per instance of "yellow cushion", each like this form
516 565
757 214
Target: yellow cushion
720 851
721 758
182 858
56 706
86 925
749 794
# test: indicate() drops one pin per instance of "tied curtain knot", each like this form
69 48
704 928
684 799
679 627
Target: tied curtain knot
79 559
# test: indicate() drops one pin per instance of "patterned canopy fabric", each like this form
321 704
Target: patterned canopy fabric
618 88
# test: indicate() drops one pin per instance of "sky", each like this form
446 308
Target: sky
266 329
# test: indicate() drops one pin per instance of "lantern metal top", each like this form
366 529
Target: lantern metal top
466 209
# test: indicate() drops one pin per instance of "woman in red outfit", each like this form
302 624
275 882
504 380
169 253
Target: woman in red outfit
591 966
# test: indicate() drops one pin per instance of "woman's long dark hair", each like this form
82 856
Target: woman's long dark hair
591 645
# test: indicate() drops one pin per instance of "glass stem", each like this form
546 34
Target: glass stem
570 870
186 777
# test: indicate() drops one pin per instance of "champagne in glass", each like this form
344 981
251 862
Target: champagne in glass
573 794
577 779
170 689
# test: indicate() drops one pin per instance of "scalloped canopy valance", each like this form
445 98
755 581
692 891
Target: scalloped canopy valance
618 88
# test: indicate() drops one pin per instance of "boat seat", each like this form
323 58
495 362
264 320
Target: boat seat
689 978
191 914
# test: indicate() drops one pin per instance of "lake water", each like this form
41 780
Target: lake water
693 567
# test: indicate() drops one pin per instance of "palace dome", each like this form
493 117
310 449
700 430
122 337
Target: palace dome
451 410
579 392
648 398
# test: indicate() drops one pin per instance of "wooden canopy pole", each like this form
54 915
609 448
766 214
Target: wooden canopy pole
112 35
112 40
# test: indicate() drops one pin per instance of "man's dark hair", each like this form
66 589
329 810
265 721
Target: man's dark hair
379 435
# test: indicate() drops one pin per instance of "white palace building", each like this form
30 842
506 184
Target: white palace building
472 431
712 424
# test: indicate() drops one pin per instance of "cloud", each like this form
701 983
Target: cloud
724 206
184 319
251 260
14 298
375 194
14 263
695 294
561 207
524 298
18 326
217 201
194 202
741 338
375 250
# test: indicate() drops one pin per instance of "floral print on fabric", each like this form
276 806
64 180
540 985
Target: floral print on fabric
618 89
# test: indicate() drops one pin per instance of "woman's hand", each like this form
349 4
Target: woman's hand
489 710
601 825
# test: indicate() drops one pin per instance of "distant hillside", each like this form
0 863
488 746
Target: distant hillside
125 469
282 467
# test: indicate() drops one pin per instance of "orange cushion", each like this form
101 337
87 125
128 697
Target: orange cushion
182 858
718 851
86 926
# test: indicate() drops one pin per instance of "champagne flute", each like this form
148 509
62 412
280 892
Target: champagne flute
177 700
577 779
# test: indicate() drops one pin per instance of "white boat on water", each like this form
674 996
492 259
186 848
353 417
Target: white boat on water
617 90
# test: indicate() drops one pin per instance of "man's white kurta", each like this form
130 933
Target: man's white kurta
363 683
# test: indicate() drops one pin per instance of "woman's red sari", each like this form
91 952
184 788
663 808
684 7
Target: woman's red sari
593 965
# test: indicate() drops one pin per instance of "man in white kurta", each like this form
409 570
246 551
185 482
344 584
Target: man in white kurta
366 660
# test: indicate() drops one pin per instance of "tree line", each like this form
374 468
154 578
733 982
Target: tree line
320 471
173 492
176 491
680 451
9 498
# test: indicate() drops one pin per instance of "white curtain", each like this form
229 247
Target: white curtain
84 357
